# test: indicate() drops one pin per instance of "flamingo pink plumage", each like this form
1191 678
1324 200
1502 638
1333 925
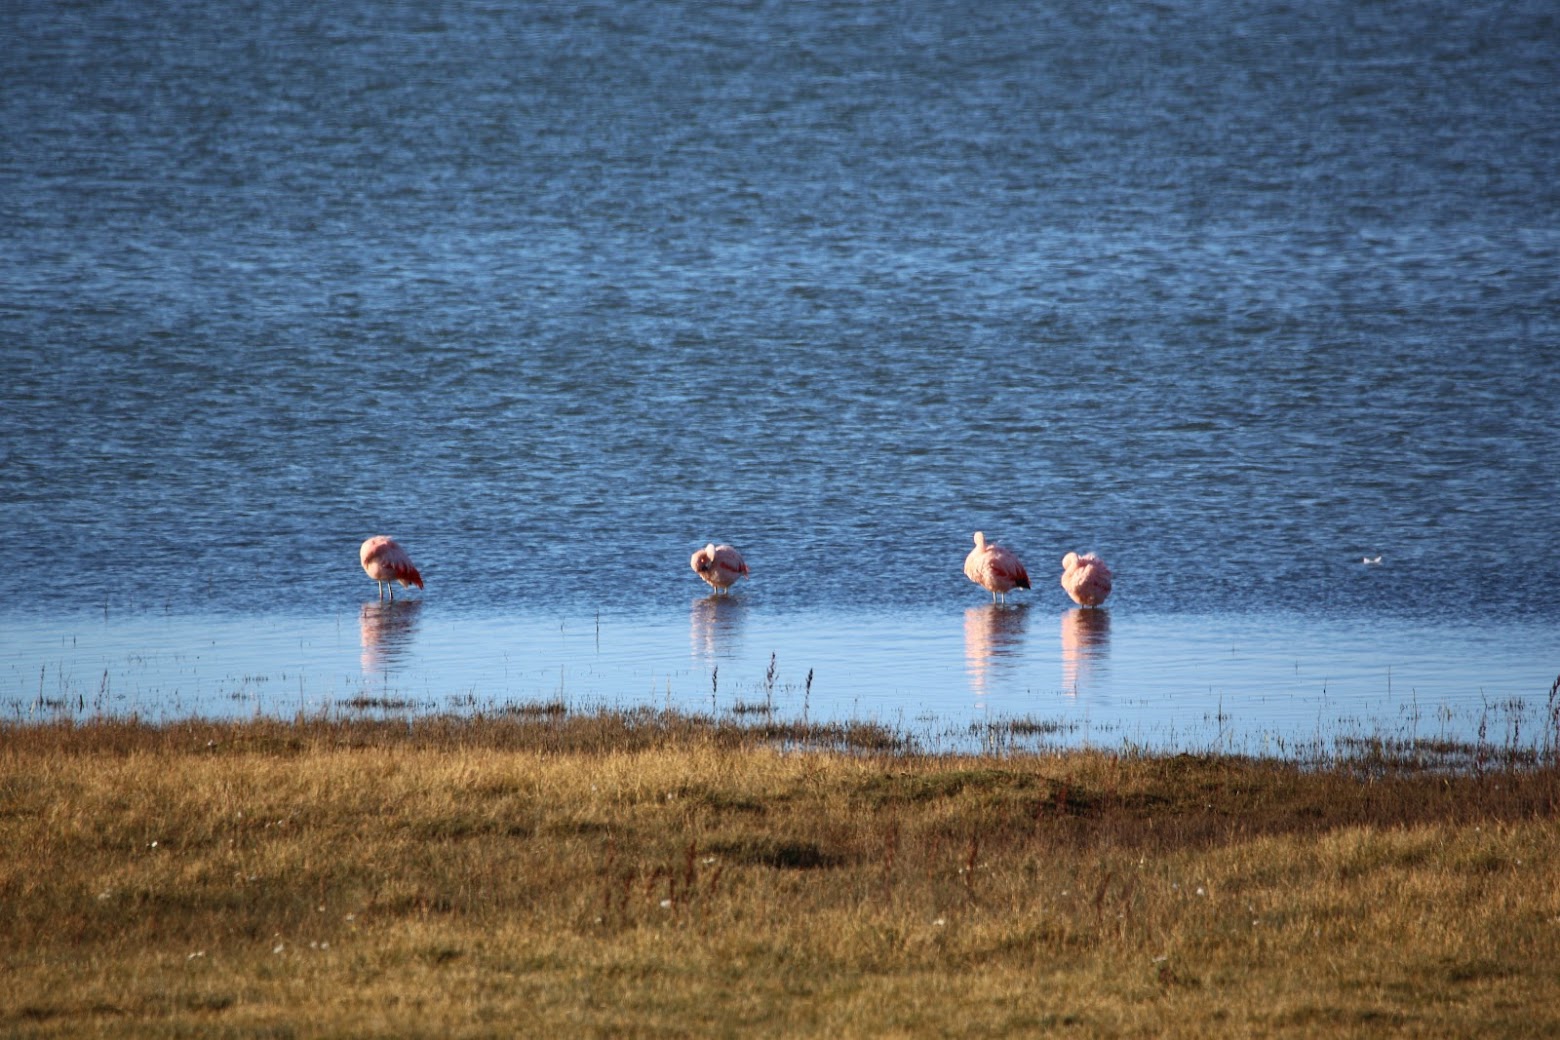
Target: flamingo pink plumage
719 565
386 562
994 568
1086 579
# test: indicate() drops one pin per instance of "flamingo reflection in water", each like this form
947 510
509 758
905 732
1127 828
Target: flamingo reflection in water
1085 643
992 632
387 627
714 622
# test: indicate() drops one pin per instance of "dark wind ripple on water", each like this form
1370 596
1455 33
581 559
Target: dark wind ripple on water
1235 296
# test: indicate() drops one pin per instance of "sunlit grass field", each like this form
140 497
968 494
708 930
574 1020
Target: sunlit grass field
641 874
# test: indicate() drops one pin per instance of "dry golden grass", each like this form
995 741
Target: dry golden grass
643 875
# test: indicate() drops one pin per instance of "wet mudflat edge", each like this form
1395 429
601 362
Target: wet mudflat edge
556 726
653 873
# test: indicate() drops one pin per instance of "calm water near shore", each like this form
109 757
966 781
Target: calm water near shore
950 678
1236 295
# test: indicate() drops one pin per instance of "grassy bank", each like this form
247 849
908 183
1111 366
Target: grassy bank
642 875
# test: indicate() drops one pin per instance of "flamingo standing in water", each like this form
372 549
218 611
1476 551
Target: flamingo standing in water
994 568
719 565
1086 579
387 563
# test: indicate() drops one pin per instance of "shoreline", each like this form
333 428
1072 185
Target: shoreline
955 681
556 725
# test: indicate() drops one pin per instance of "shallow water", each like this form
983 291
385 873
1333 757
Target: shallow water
1237 296
951 679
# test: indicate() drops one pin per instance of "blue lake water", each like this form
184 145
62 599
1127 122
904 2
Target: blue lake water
1235 295
951 679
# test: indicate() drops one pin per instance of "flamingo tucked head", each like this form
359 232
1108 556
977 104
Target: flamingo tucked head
994 568
719 566
385 562
1086 579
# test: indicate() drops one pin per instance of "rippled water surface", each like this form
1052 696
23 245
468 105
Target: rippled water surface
1235 295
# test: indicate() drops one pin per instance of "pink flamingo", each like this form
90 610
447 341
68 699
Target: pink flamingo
1086 579
994 568
386 562
719 565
